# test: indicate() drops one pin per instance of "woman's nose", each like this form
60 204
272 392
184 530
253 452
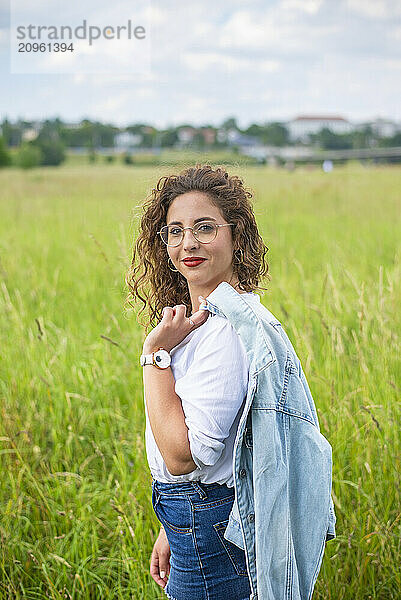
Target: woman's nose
189 240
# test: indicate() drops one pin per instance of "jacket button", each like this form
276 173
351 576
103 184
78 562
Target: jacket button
242 473
251 518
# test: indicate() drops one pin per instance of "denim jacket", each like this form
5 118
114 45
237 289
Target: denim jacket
283 512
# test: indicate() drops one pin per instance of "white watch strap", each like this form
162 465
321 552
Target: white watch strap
147 359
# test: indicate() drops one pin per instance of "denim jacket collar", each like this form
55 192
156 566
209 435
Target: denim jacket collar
241 312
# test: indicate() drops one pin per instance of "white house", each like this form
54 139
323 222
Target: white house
186 134
30 134
301 127
126 140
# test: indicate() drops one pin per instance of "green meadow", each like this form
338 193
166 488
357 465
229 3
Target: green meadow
76 519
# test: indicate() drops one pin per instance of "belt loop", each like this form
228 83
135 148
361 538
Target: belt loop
155 495
199 488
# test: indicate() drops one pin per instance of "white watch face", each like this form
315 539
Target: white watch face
162 359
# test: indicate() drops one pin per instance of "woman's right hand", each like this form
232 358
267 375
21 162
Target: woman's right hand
160 559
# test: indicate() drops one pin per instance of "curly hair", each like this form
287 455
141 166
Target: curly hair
151 280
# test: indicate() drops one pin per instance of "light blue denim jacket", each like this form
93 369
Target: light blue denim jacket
283 511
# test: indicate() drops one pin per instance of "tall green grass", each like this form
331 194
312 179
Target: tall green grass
76 517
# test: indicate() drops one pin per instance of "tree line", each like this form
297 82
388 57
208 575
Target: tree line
27 144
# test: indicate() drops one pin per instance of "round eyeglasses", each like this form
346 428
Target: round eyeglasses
205 232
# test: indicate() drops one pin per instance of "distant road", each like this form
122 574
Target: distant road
300 153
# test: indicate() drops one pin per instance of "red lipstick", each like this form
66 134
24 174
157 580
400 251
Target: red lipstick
193 261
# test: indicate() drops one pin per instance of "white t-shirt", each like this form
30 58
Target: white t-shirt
211 370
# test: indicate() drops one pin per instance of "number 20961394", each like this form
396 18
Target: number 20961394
45 47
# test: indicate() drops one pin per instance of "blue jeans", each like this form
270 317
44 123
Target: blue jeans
203 565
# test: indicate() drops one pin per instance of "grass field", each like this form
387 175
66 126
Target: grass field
76 516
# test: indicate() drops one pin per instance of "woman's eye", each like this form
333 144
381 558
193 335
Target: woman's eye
205 227
175 231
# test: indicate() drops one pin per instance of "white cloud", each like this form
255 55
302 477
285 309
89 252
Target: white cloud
244 30
395 34
308 6
208 60
154 15
4 36
375 9
279 33
390 63
108 106
102 80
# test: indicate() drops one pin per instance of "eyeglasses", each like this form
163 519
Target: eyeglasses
205 232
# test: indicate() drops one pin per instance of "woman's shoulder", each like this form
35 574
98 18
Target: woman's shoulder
216 330
217 323
218 334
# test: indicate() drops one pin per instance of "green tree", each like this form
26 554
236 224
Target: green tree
230 123
5 158
276 134
53 152
255 130
392 141
127 158
362 138
332 141
148 134
168 138
272 134
29 156
198 141
12 133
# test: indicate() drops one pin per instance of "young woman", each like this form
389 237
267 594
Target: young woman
241 474
198 229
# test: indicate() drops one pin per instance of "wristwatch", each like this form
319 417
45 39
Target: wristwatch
161 359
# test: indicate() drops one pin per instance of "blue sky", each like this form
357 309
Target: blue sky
257 61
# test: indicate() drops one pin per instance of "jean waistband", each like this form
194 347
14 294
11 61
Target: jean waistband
185 486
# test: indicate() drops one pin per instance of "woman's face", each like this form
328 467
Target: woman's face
183 211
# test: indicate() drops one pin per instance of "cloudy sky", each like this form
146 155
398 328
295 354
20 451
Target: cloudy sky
256 60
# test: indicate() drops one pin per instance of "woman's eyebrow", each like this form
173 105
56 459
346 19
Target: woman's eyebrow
195 221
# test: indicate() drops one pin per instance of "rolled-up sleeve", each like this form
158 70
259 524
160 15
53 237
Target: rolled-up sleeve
213 389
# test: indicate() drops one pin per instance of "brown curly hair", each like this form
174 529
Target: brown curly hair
153 278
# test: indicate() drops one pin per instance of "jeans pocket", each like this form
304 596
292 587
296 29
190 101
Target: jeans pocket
235 554
172 511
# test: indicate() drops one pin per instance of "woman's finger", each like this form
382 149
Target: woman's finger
198 318
180 310
156 569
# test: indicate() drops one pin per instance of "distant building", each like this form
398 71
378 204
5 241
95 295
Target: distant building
209 135
384 127
236 138
186 135
301 127
28 135
126 140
